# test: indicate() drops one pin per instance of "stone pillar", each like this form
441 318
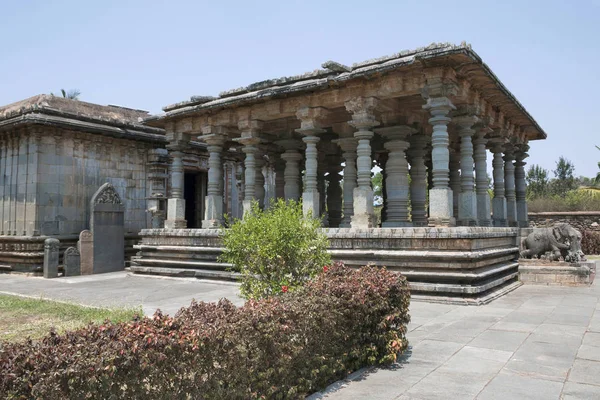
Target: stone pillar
521 187
310 196
418 180
259 181
249 175
484 217
213 215
440 197
467 200
348 146
176 203
499 201
334 196
509 182
362 110
292 174
51 249
382 162
310 128
322 195
396 182
454 182
280 179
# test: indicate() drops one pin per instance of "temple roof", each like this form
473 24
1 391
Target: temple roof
461 57
53 110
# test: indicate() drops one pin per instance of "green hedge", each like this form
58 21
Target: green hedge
285 346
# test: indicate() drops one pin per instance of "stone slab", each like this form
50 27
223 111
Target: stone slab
72 262
107 224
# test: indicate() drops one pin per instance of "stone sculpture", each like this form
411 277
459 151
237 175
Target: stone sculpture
561 241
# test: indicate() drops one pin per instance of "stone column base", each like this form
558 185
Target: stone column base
310 204
247 206
467 209
440 207
213 216
499 207
175 214
363 217
522 218
484 214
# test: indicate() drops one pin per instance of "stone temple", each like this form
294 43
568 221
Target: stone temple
425 117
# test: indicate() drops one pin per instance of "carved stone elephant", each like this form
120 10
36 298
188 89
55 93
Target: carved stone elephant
562 240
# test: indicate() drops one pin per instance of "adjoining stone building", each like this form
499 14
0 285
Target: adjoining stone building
56 152
431 114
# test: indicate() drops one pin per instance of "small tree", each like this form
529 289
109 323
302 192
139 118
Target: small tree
537 181
564 177
276 250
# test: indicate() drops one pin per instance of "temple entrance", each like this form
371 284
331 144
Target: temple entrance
194 192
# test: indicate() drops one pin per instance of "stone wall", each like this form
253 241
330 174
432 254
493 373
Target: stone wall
48 176
581 220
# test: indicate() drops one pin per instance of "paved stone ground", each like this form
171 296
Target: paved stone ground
120 289
537 342
534 343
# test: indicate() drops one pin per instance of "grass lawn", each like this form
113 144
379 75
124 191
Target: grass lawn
24 317
594 257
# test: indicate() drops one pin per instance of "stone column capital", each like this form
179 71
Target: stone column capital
312 120
398 132
289 144
291 155
439 107
250 127
348 145
465 124
363 110
213 140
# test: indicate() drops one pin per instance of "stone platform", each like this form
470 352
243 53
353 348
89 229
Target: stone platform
464 265
557 273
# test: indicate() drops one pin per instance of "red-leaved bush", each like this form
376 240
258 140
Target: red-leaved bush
281 347
590 242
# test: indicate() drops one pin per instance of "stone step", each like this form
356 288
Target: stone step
462 289
189 264
471 275
186 272
480 299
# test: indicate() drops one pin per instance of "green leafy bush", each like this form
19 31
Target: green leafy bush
282 347
590 242
276 250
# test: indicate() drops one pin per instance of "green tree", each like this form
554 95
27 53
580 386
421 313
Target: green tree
276 250
537 181
564 177
377 183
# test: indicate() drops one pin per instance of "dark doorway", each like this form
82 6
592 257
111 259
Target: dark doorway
194 191
190 195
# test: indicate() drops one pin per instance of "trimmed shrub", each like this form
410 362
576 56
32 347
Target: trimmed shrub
590 242
281 347
276 250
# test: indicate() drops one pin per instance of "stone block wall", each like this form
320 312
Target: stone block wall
48 176
581 220
71 168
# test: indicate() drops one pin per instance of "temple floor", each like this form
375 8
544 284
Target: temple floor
536 342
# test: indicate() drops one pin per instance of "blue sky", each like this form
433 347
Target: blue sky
147 54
